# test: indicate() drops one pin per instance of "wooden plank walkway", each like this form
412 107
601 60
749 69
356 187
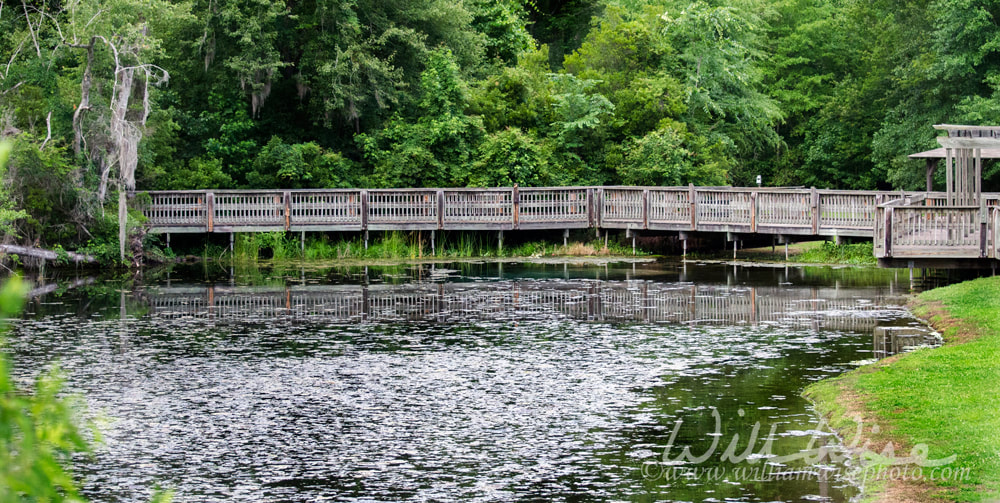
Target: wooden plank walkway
902 225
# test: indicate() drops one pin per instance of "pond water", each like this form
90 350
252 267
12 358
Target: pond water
481 382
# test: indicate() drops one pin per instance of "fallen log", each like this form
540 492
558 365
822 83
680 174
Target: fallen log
46 254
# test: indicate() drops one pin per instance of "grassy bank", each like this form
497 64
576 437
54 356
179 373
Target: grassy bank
809 252
400 245
947 398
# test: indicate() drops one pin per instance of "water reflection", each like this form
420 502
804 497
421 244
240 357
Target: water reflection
891 340
618 301
458 382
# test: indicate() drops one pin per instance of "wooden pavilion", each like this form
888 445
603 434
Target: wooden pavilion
989 149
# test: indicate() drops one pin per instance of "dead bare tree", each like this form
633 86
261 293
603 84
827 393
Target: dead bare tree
115 44
132 77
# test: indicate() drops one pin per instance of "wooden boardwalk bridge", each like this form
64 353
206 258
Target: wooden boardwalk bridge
704 209
904 225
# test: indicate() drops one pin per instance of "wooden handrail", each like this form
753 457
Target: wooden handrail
686 208
896 220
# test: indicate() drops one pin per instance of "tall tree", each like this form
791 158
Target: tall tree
719 50
437 148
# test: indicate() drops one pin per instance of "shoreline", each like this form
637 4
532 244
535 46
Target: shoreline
755 258
361 262
773 264
933 402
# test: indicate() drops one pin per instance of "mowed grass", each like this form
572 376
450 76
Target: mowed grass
947 398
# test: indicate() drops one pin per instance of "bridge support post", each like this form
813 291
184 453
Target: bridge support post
983 239
499 242
168 240
784 239
565 238
814 208
232 238
433 251
366 239
210 211
302 243
735 238
515 198
693 201
287 198
591 209
683 236
633 243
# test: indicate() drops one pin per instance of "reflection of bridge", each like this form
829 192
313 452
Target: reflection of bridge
617 301
887 341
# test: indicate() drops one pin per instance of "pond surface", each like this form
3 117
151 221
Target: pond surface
480 382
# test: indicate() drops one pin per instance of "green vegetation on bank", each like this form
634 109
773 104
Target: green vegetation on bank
41 428
831 253
280 246
809 252
946 398
38 431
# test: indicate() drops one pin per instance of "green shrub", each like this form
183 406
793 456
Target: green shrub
38 433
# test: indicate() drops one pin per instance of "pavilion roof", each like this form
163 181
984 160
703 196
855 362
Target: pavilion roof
938 153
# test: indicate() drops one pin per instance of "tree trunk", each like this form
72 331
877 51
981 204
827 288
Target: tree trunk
122 221
85 84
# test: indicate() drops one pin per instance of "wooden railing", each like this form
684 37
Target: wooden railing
624 207
402 209
330 209
177 209
924 227
250 209
783 211
569 207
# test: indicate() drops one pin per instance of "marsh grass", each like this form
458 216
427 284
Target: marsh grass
277 246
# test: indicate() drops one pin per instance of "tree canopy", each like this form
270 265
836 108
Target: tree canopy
99 96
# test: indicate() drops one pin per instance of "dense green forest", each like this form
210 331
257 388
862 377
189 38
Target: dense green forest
98 95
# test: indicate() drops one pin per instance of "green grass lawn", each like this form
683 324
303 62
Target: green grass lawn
947 398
